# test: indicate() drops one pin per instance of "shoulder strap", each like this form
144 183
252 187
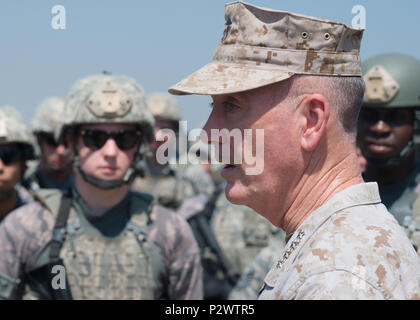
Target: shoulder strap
41 279
59 231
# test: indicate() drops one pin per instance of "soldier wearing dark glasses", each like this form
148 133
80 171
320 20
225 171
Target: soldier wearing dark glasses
15 149
99 240
54 169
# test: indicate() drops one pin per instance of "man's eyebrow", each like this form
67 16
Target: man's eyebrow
232 98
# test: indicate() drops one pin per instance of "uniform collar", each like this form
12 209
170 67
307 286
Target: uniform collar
356 195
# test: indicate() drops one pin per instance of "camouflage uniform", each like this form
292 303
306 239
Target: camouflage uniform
252 279
351 246
135 250
48 116
168 186
392 82
241 232
13 130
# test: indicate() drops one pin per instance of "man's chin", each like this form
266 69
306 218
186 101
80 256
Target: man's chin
234 195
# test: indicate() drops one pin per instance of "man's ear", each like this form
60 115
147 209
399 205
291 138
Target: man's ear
314 111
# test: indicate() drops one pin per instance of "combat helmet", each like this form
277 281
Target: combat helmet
163 106
107 98
47 119
48 115
393 81
14 130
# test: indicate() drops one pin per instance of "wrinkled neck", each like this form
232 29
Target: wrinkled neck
318 184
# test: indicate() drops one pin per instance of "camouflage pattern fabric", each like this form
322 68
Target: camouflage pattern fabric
105 261
23 196
400 199
163 106
167 187
263 46
252 279
200 179
49 115
105 98
349 248
241 232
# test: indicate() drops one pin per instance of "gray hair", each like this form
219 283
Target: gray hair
345 95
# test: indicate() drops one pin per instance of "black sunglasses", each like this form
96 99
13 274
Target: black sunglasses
10 155
95 139
49 139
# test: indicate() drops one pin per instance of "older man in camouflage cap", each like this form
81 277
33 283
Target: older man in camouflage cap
55 168
15 149
299 79
105 241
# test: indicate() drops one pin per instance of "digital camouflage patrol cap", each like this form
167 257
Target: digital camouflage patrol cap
263 46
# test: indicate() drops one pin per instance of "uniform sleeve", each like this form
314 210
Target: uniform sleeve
336 285
173 235
23 233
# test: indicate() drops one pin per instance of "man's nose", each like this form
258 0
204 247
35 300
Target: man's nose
160 135
61 149
110 148
381 127
212 123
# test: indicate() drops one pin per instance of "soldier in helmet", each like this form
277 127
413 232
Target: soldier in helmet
188 189
15 149
168 183
102 240
389 124
55 167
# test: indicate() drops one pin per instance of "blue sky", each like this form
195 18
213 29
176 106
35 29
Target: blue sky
156 42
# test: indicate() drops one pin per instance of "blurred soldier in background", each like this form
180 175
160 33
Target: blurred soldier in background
105 241
252 279
389 125
164 181
15 150
187 189
55 160
200 170
241 232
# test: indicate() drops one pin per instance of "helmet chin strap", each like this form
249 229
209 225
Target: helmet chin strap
396 160
107 184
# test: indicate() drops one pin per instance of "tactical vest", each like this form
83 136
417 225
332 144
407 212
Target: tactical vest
127 266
